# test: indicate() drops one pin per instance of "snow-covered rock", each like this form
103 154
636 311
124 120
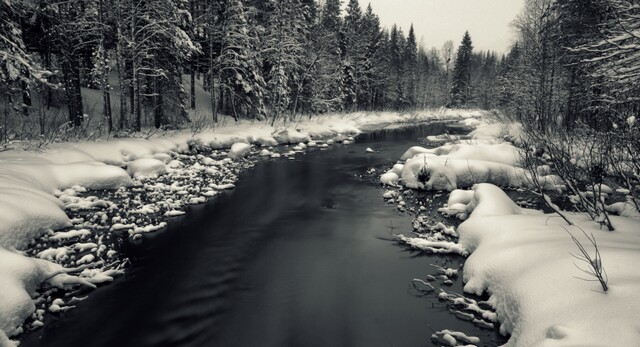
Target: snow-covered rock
239 150
146 168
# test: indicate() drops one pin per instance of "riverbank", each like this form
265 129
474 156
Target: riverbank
53 194
540 285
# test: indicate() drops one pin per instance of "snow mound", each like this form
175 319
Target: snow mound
504 153
523 260
146 168
429 172
291 136
239 150
19 278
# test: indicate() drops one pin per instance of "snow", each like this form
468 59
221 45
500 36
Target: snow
528 286
239 150
19 277
146 168
484 157
522 258
390 178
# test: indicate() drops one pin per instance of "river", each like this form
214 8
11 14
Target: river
298 254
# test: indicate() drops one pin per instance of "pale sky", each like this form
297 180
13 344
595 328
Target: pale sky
436 21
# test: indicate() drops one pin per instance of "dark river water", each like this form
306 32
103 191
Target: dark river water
297 255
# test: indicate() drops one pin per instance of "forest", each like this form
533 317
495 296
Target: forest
255 59
573 62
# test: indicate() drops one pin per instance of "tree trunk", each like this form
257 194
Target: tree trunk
106 97
73 94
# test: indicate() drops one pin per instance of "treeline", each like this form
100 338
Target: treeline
575 62
263 59
573 81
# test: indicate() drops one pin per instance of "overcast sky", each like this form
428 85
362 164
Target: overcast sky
436 21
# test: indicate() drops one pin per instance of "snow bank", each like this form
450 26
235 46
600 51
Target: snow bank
430 172
19 278
485 158
504 153
524 262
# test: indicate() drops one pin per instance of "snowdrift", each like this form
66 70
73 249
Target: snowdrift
482 158
523 259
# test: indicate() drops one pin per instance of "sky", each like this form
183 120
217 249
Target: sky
436 21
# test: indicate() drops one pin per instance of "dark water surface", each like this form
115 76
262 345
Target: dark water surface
294 256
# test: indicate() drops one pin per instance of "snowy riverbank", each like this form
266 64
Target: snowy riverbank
43 194
523 258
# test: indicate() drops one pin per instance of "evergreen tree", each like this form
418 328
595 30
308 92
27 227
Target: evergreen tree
330 94
372 65
461 87
239 78
354 52
17 70
410 62
283 53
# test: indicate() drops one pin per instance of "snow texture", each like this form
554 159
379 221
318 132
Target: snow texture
524 261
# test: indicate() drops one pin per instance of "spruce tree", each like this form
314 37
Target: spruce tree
410 61
461 84
283 53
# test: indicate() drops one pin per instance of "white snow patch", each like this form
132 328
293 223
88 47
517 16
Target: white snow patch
524 261
146 168
239 150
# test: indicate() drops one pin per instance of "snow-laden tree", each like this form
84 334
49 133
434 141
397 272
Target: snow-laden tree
354 52
410 61
372 72
578 23
613 57
238 86
283 53
155 47
17 69
329 94
461 88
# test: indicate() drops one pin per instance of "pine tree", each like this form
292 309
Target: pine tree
329 95
354 54
283 53
372 68
410 61
17 69
461 87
